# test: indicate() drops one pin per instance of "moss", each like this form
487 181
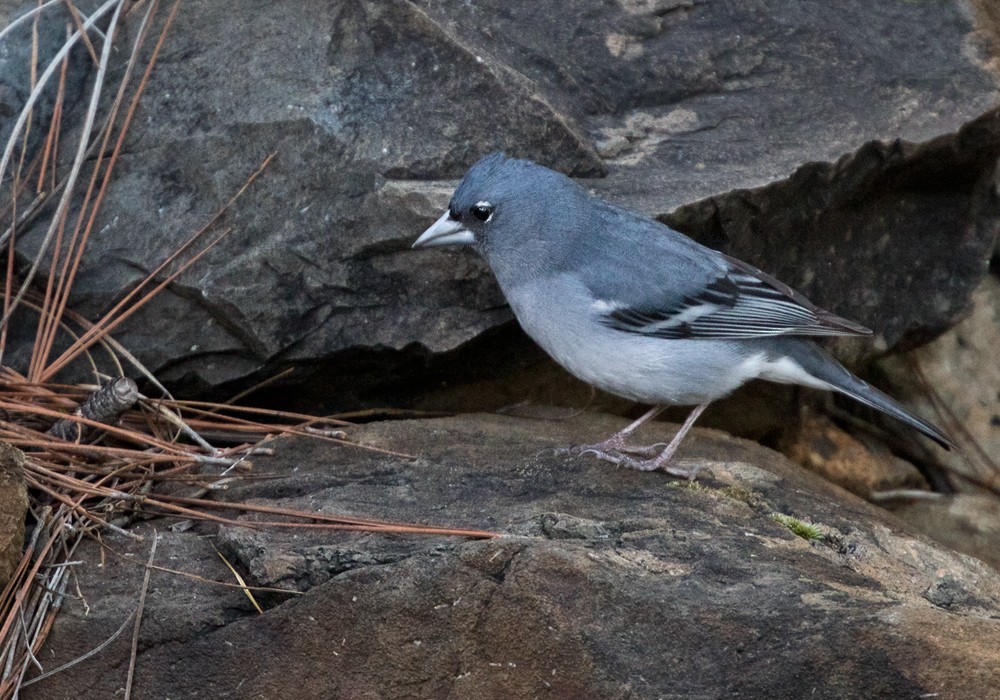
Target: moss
744 495
807 531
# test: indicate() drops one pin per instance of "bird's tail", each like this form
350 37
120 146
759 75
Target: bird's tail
821 365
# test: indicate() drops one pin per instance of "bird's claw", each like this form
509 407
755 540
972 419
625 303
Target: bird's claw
614 458
682 473
621 459
612 449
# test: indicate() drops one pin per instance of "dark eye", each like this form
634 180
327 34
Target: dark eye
481 210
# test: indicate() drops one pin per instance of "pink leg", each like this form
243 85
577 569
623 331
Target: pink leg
616 443
611 449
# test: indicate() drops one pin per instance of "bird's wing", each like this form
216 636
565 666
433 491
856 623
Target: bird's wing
679 289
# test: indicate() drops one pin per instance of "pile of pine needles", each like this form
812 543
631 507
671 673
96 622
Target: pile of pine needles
97 453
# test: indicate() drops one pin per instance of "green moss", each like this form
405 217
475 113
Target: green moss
807 531
744 495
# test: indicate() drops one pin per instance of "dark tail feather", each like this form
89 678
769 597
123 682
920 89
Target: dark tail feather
822 365
870 396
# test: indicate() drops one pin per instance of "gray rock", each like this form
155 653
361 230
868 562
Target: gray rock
966 523
371 107
417 102
606 583
17 48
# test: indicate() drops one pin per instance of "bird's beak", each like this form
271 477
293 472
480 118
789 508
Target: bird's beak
445 231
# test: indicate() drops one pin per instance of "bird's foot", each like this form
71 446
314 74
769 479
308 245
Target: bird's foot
615 450
627 458
614 445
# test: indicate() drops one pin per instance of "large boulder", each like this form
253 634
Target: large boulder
772 130
605 583
40 39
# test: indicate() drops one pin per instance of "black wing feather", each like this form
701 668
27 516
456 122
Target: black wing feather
742 302
654 281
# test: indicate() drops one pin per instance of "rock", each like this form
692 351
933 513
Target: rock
13 509
720 98
178 608
850 254
403 87
960 386
372 107
16 50
321 251
605 583
818 444
964 522
987 34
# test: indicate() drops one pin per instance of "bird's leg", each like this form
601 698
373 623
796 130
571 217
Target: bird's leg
661 461
616 443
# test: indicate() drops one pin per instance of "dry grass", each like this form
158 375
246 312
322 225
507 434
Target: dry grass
115 469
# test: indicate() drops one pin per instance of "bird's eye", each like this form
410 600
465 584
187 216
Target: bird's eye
482 210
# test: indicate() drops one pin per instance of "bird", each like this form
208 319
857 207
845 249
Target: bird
634 308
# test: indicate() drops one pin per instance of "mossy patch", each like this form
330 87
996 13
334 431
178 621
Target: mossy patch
807 531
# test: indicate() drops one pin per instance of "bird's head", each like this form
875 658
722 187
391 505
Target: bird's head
503 204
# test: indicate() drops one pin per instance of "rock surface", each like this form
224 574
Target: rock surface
13 509
778 120
606 583
961 384
17 48
957 378
821 446
965 522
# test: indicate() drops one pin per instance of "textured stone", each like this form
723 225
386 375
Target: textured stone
966 523
370 107
818 444
957 378
13 509
607 583
17 48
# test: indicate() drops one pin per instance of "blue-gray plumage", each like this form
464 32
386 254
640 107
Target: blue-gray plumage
637 309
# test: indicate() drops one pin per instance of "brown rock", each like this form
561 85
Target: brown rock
818 444
13 508
607 583
962 386
966 523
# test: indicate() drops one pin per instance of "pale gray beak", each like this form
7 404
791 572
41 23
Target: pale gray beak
445 231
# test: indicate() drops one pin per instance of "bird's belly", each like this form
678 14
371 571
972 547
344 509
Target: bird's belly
640 368
669 372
